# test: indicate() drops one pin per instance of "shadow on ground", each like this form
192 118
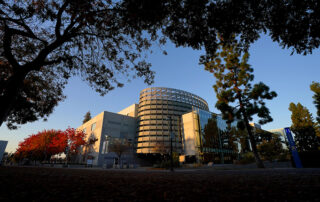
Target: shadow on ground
54 184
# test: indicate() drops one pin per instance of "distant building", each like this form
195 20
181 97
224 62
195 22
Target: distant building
255 125
282 135
162 115
156 107
3 145
107 127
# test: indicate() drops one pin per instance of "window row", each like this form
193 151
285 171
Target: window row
159 118
163 102
180 111
156 132
187 101
158 123
156 138
158 100
165 114
147 150
157 145
172 94
159 130
165 107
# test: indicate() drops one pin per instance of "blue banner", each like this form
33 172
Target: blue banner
293 148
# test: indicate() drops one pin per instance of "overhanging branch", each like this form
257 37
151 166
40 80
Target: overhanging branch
58 24
7 47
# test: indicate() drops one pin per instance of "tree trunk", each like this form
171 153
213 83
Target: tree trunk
9 95
251 136
254 145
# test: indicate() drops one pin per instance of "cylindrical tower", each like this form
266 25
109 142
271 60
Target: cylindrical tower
156 105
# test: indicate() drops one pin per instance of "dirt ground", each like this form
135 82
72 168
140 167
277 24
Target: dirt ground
65 184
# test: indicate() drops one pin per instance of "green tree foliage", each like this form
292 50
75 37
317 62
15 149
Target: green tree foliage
241 135
235 136
237 98
87 117
303 127
293 24
211 137
44 43
315 87
272 149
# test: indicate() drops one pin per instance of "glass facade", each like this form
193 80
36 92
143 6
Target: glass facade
216 141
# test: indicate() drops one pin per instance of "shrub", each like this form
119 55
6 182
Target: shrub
247 158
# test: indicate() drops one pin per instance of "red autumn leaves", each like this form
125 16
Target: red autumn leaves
44 144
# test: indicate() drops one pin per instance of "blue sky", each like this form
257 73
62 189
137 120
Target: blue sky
288 75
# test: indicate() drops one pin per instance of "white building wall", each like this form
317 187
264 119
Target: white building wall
132 111
109 125
189 134
116 126
93 129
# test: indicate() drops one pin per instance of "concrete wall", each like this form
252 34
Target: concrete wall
132 111
109 125
116 126
189 134
93 132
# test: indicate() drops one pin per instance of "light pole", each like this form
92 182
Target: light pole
171 134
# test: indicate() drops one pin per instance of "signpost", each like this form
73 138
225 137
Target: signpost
293 148
89 162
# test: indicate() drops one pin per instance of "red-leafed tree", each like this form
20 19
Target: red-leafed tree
44 144
75 139
58 143
38 146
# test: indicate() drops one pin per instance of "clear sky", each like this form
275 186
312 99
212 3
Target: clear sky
289 75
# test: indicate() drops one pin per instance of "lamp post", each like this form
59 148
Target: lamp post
171 134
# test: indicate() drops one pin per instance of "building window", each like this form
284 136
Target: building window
93 126
114 122
105 147
84 130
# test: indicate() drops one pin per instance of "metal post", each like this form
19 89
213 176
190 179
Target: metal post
171 157
221 152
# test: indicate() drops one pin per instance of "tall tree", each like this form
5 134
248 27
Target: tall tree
43 43
211 136
237 98
87 117
303 127
315 87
